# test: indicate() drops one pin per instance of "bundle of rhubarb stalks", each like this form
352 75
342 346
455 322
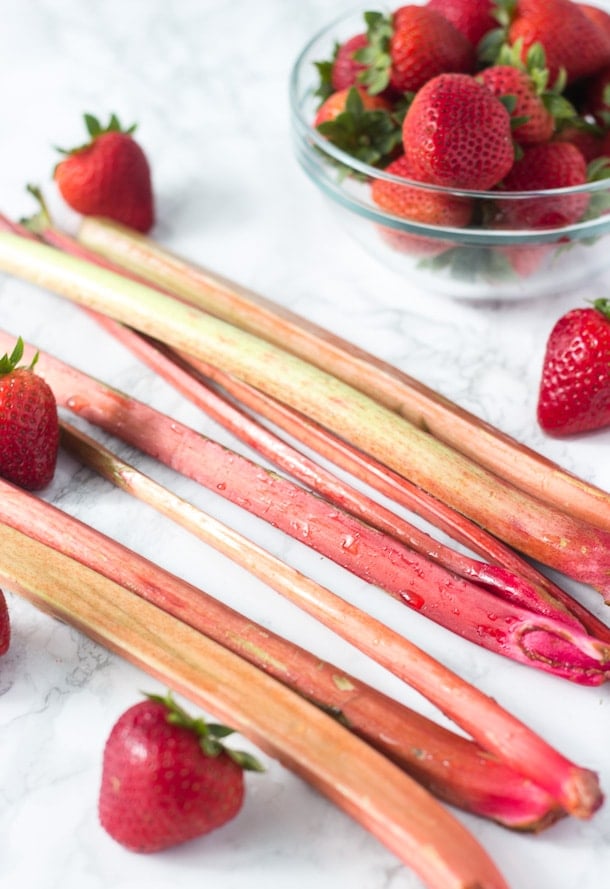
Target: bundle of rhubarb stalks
273 379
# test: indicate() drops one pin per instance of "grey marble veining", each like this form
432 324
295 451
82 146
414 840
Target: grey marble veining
207 82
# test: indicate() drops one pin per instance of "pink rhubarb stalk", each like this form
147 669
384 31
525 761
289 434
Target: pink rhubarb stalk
550 537
427 409
574 788
512 579
366 785
454 768
470 611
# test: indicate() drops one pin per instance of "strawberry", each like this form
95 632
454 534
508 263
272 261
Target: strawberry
544 166
167 778
600 17
457 134
346 67
414 45
5 625
360 124
473 18
424 205
587 137
29 427
574 393
336 104
534 122
108 176
571 40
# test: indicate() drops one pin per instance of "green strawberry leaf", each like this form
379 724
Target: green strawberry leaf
325 71
94 129
602 305
376 54
9 363
371 136
208 733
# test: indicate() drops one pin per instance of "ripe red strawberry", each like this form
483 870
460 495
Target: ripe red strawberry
528 105
587 138
600 17
457 134
422 205
424 44
549 165
473 18
29 428
167 778
419 204
413 45
571 40
337 102
5 625
574 391
345 68
108 176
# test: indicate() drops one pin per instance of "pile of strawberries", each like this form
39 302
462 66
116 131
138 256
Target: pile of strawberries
481 95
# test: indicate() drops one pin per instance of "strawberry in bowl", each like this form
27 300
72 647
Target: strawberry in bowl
481 171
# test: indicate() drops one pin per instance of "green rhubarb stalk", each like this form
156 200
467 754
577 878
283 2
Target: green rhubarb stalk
381 797
551 537
432 412
454 768
472 612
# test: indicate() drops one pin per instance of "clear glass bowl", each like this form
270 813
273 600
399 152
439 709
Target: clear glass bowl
483 261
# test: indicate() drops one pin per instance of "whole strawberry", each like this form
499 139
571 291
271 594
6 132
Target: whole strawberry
413 45
167 778
532 120
546 166
457 134
108 176
29 427
474 18
5 625
574 391
571 39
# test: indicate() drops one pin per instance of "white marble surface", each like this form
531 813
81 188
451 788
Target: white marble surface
207 82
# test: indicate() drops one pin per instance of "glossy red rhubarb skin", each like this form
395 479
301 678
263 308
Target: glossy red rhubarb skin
424 586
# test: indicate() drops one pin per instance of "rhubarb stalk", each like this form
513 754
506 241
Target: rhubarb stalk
545 642
555 539
482 442
534 592
453 767
575 788
393 807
